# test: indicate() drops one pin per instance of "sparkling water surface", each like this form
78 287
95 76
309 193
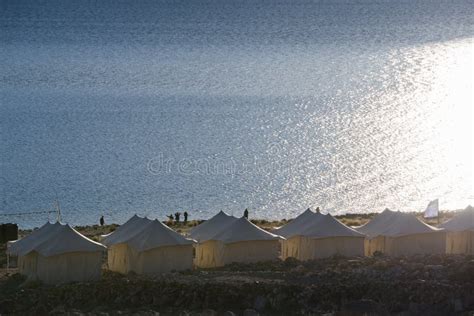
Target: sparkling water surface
149 107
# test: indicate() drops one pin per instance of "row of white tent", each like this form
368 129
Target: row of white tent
57 253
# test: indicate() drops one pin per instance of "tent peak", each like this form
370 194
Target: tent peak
222 213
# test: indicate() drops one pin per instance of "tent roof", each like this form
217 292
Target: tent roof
155 234
15 246
463 220
56 239
327 226
298 224
212 226
123 232
243 230
379 222
398 224
143 234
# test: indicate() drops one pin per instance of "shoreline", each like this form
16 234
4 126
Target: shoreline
349 219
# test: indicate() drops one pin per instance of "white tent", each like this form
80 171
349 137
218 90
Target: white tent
212 226
460 232
148 247
57 253
323 237
124 231
379 222
15 246
241 241
396 234
297 224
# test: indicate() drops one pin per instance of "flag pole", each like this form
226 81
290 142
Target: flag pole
58 209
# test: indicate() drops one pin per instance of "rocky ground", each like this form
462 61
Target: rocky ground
426 285
419 285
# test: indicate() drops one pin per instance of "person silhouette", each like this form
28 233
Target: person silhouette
176 216
185 217
246 213
101 220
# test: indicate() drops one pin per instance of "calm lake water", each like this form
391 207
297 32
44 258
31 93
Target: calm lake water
148 107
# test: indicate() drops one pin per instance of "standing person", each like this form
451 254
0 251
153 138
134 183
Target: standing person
185 217
317 210
170 217
101 220
176 216
246 214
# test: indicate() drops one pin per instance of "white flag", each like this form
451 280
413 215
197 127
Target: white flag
432 209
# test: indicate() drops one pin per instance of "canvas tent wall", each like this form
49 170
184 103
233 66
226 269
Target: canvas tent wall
212 226
324 237
377 224
241 241
56 253
149 247
460 232
398 234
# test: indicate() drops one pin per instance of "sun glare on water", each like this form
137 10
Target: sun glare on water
441 108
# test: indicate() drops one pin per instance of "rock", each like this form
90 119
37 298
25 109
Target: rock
76 314
415 266
434 267
250 312
458 307
363 307
381 265
209 312
58 310
422 309
260 303
41 309
100 309
468 302
291 262
278 300
147 313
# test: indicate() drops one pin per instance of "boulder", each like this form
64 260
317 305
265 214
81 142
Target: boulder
259 303
250 312
209 312
458 306
363 307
